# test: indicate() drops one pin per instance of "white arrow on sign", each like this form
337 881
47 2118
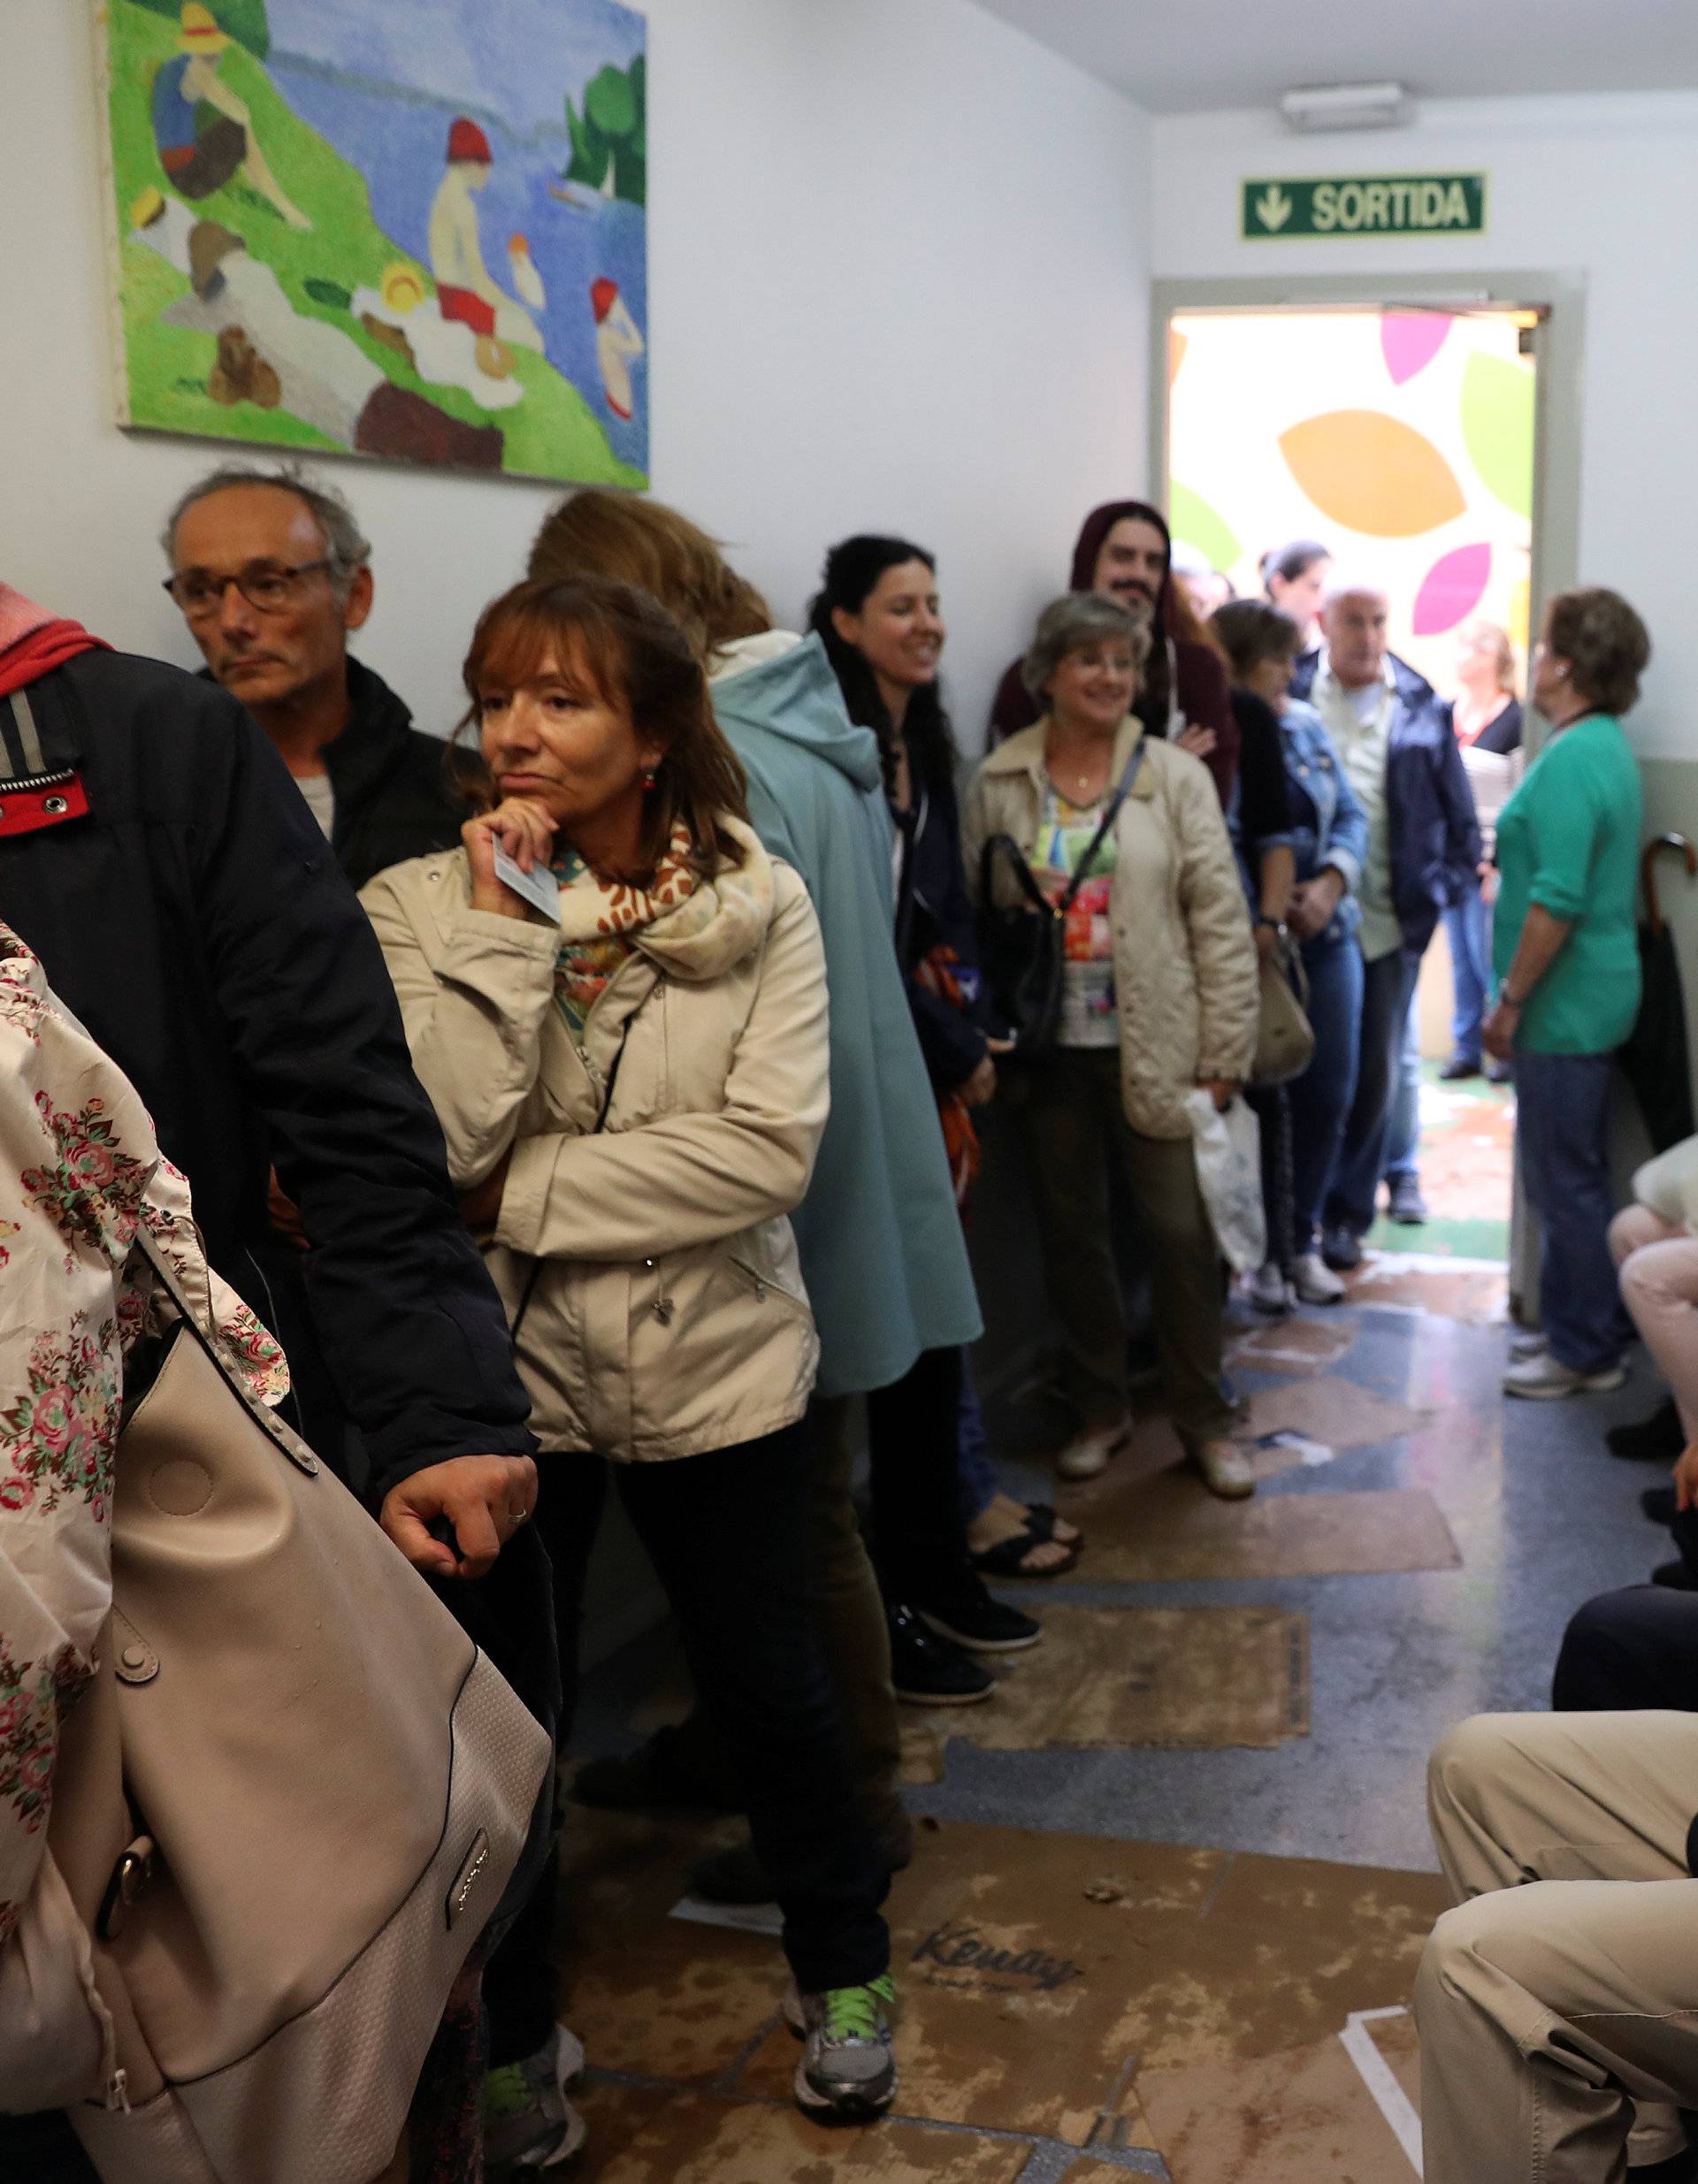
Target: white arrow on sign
1273 208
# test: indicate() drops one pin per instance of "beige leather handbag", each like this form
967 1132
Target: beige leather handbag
286 1808
1285 1039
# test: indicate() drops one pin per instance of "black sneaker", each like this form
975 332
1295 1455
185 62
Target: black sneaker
971 1615
1342 1249
648 1780
1459 1067
1406 1204
927 1670
1658 1504
1656 1440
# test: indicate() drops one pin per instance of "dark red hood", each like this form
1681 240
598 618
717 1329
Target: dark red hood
1096 527
33 642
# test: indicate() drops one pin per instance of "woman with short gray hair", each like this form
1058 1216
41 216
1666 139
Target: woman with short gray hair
1158 999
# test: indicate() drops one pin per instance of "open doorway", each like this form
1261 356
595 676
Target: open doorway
1404 437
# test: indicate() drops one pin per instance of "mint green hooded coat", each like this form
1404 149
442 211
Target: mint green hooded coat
881 1242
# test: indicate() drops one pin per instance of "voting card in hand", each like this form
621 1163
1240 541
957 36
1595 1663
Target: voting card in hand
538 886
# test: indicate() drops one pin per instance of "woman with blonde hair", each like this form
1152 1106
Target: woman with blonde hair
1486 715
616 1001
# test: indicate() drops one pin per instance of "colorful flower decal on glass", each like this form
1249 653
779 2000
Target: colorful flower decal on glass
1451 590
1372 473
1497 426
1409 342
1198 525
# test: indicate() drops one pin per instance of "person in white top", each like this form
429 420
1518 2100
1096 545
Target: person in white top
1396 744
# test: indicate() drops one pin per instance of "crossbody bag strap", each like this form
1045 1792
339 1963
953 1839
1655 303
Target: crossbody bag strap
168 1279
1101 835
537 1266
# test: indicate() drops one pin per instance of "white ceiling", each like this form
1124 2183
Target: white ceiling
1177 58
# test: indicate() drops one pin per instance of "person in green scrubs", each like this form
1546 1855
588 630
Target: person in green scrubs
1565 955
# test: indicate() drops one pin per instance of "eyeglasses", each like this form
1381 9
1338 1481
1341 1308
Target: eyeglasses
267 586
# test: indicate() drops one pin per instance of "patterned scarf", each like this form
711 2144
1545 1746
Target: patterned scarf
597 919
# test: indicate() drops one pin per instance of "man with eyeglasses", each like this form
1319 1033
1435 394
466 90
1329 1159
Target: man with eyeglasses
271 574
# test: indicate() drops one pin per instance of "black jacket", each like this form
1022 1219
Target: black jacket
396 789
1434 834
195 921
933 910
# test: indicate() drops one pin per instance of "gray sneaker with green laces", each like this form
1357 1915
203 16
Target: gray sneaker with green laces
528 2124
847 2072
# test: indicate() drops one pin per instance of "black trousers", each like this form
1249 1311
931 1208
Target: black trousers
919 1537
1628 1650
727 1534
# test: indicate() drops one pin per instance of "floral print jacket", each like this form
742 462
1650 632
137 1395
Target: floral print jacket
79 1172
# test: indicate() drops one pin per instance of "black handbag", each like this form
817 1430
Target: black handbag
1022 951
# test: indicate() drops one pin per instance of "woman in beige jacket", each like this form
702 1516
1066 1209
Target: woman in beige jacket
616 1001
1159 999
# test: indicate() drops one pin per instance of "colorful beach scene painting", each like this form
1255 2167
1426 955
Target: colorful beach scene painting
409 229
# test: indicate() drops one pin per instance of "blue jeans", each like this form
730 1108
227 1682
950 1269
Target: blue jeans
1468 928
1561 1110
1321 1098
1386 985
979 1483
1403 1124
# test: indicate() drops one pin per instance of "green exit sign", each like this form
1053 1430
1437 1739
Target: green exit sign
1369 204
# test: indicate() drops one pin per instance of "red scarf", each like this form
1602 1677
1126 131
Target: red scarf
34 642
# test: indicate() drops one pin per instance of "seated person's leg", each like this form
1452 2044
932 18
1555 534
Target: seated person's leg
1573 1976
1632 1649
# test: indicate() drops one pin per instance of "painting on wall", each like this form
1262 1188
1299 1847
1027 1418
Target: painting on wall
414 229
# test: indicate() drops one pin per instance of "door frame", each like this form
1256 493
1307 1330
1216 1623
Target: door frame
1559 358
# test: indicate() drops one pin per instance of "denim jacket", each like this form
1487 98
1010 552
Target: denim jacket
1328 825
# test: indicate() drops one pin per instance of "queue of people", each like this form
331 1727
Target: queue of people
624 1131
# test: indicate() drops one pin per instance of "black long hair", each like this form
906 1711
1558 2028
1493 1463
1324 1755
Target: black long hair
850 574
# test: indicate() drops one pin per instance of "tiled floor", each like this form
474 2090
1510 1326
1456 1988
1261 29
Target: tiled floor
1204 2044
1225 1916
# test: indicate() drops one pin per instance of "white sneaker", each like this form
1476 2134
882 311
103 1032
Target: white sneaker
1315 1281
1089 1451
1543 1378
1528 1343
1227 1470
1267 1291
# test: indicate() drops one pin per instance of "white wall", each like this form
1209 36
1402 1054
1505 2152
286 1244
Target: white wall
898 281
1605 187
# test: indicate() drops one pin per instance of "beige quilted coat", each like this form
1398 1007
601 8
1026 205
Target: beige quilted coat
666 1314
1184 956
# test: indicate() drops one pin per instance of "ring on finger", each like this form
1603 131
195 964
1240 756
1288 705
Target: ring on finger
516 1517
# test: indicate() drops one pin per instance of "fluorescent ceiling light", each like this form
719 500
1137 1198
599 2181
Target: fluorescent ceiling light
1346 106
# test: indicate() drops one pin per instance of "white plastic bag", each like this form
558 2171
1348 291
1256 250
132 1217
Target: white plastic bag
1229 1169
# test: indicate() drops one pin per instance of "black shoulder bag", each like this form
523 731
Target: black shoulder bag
1022 951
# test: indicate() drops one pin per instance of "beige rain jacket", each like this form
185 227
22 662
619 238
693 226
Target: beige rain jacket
666 1314
1184 958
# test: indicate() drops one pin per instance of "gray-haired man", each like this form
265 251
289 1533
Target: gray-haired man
271 574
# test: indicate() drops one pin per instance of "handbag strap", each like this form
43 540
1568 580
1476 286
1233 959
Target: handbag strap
1103 826
168 1279
535 1275
1018 861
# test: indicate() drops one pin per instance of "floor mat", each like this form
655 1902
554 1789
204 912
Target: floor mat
1145 1530
1190 1678
1057 1987
1339 1412
691 2139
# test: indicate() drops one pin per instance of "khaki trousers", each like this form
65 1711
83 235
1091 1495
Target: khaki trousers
1069 1112
1658 1267
1557 2004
